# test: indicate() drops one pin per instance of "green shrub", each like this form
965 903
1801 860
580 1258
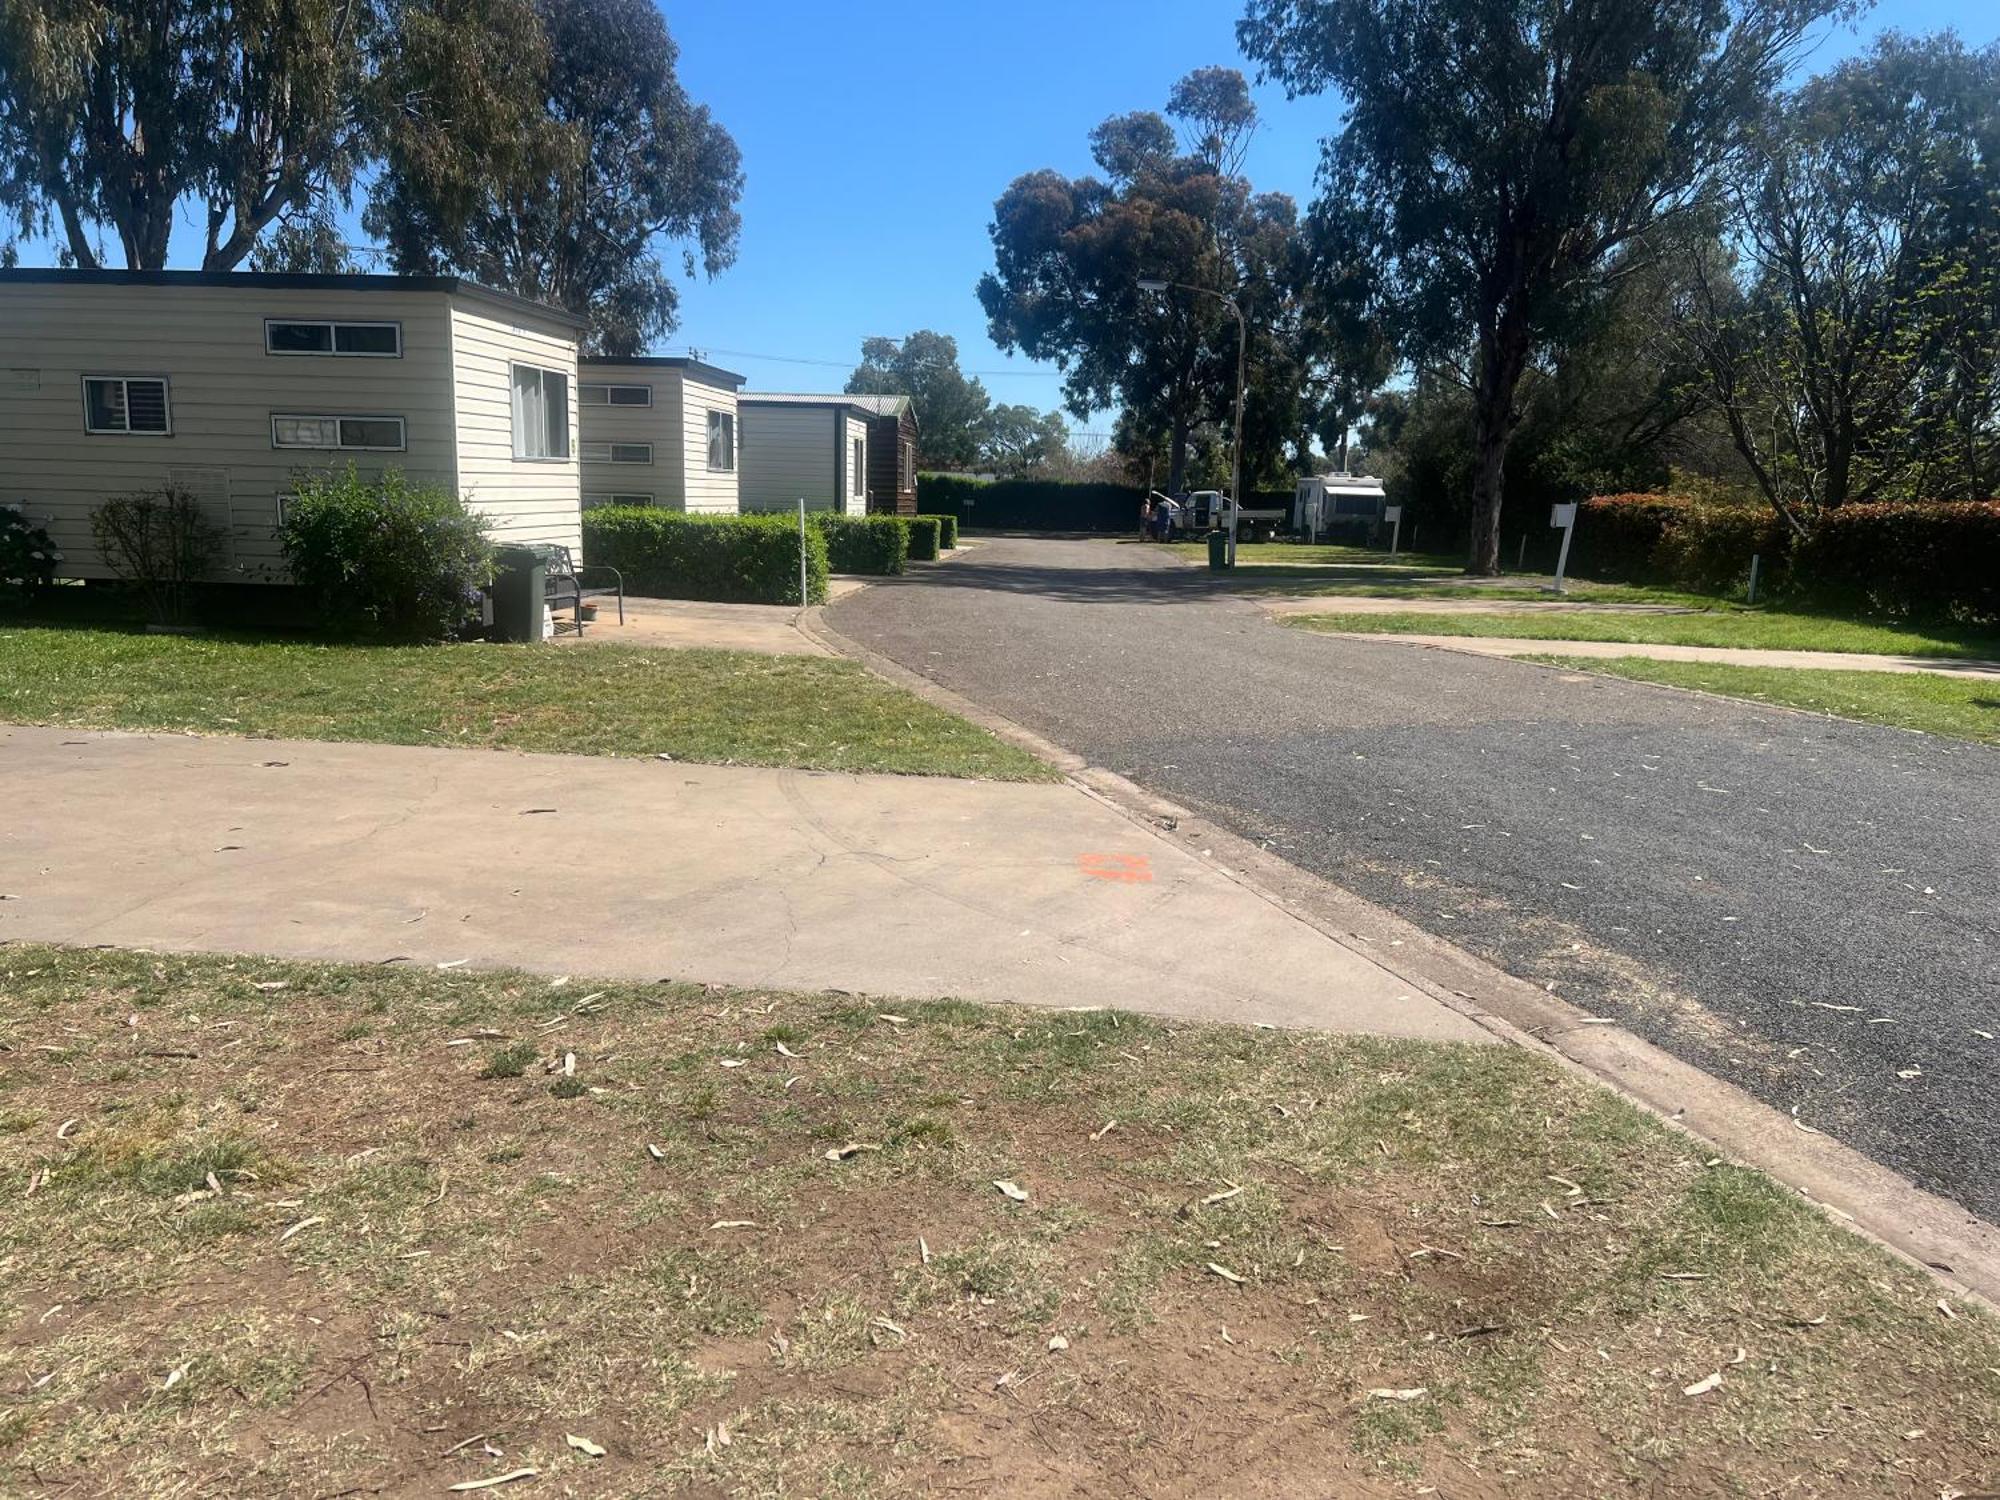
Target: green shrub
1937 560
393 557
161 542
1030 504
727 559
875 545
924 531
947 530
28 558
1707 548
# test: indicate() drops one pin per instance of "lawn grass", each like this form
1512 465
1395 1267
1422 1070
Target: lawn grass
694 705
1765 629
1260 555
1515 589
1966 708
303 1230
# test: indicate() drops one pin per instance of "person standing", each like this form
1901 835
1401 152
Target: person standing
1145 517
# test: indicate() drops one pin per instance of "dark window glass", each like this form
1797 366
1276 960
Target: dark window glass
367 338
298 338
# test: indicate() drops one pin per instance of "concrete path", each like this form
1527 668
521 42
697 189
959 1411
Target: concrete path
1733 656
895 886
771 629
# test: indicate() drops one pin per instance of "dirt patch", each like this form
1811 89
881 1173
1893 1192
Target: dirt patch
314 1230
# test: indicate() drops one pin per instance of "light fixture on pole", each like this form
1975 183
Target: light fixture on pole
1160 284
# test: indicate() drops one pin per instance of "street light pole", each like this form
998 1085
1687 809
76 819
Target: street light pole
1160 284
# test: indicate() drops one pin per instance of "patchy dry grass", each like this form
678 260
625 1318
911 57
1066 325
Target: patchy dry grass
439 1249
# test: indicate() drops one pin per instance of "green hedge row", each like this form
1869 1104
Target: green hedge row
1030 504
1931 560
1928 559
875 545
947 530
923 537
727 559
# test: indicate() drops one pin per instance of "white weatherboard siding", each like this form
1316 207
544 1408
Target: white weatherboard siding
676 424
854 476
712 491
222 391
787 452
520 500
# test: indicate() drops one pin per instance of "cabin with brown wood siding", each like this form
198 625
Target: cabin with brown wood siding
892 454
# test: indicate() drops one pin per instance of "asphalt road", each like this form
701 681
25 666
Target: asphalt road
1807 907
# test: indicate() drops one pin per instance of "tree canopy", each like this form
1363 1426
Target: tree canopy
547 147
1069 254
952 410
112 116
1499 164
1850 331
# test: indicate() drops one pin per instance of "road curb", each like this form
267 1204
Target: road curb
1960 1249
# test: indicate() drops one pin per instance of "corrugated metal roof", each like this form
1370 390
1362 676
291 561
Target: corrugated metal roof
881 406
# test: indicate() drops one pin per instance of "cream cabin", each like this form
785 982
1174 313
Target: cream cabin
229 385
659 431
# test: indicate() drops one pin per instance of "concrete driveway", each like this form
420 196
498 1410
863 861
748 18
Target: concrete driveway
894 886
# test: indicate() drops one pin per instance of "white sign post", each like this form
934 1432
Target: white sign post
1393 514
1563 517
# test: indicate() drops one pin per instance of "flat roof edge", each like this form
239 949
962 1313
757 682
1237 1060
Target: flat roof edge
288 281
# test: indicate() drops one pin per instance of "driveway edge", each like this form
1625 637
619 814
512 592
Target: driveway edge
1930 1232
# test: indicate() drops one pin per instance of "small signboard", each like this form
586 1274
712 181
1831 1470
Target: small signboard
1562 517
1392 514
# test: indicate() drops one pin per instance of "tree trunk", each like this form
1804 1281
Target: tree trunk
1177 457
1488 474
1502 356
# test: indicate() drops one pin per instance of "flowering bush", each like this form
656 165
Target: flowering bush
388 556
27 558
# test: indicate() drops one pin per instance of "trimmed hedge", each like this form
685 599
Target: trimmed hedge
725 559
947 530
1618 535
1937 559
1708 548
1030 504
875 545
923 532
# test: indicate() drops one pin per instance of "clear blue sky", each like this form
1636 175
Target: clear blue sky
875 139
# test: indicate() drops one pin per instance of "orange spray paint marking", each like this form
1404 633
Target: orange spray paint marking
1132 868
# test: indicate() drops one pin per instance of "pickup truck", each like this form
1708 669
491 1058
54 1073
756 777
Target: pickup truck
1208 510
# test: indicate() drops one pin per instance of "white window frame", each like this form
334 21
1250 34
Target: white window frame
606 453
727 420
906 464
542 373
166 403
607 387
857 488
337 446
332 349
